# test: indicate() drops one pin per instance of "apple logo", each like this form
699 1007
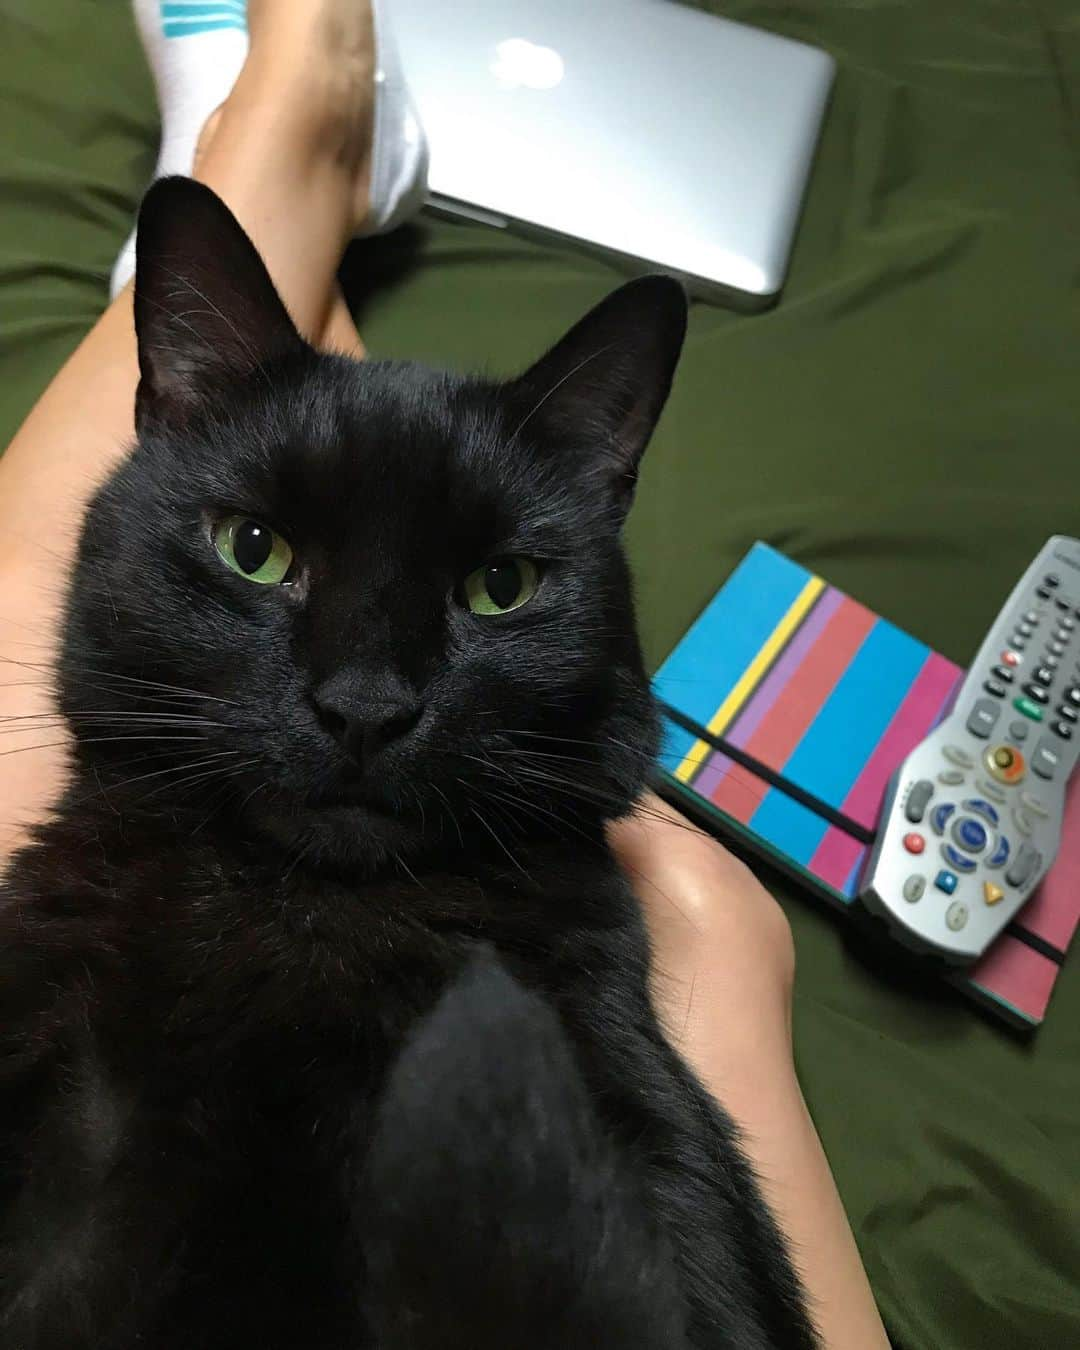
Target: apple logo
519 63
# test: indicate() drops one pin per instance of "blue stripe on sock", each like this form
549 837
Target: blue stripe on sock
175 9
174 28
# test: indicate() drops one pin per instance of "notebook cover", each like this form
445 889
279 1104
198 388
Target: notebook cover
787 706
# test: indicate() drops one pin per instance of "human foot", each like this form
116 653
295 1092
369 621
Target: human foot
324 79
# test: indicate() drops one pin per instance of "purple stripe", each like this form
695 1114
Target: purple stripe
770 689
713 770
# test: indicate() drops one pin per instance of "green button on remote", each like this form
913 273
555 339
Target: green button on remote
1028 708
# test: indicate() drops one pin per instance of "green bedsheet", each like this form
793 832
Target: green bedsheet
905 422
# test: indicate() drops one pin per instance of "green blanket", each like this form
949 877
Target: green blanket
904 422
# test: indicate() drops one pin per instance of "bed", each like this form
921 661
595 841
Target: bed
925 443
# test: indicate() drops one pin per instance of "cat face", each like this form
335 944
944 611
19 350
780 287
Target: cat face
368 608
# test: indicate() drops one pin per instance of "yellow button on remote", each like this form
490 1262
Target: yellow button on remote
991 893
1005 763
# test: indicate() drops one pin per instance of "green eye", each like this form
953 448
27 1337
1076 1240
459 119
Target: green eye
253 550
501 585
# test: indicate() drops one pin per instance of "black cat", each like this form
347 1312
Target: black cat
324 1019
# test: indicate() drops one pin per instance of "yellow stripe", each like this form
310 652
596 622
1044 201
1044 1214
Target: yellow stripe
748 680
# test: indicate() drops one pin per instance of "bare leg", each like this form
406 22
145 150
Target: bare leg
289 152
723 974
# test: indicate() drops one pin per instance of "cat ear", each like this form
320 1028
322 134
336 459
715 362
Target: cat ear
205 307
603 386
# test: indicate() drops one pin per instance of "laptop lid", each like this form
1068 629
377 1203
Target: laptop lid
638 127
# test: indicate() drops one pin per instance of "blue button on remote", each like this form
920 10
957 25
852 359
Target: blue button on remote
970 834
956 859
939 816
946 881
981 808
1000 855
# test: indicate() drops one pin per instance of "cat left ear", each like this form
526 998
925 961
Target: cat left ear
206 310
601 389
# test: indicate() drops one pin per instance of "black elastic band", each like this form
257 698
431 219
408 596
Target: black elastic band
1036 943
852 827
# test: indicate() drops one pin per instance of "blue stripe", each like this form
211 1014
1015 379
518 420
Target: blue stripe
788 825
178 9
674 746
854 717
702 670
842 737
174 29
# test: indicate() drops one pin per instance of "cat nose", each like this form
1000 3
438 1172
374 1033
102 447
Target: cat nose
363 718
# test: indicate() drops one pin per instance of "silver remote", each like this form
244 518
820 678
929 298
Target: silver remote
972 818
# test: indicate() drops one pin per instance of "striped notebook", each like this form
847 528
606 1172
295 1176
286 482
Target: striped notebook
787 707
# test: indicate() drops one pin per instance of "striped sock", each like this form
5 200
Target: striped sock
195 49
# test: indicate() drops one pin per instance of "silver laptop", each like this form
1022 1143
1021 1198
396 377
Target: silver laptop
639 127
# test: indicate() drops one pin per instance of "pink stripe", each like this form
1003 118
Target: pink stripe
1014 972
834 858
790 659
912 720
1053 911
837 853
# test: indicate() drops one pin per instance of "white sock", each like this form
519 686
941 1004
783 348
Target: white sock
196 56
399 158
195 49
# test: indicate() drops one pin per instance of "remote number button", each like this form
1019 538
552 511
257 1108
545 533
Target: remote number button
1043 675
956 916
1017 642
917 800
993 687
914 888
983 718
1042 592
1068 622
1032 617
1062 604
1055 648
1062 729
1047 758
1003 673
1070 714
1036 693
1052 580
1072 696
1024 866
1024 629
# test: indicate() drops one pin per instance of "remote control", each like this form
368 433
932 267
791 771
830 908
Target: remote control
972 818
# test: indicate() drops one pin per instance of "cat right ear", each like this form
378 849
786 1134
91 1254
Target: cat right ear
206 311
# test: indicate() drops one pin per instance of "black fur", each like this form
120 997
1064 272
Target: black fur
310 1045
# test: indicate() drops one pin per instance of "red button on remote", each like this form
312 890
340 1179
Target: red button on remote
914 843
1010 658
